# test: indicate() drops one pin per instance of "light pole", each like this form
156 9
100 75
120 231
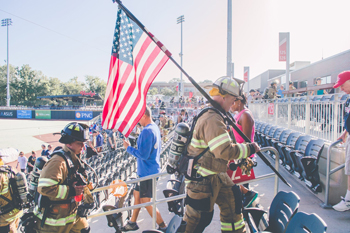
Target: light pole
181 19
7 22
229 39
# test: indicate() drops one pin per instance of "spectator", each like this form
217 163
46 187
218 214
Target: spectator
291 87
251 96
148 155
344 83
172 117
31 162
134 135
110 139
99 141
245 122
319 92
279 92
271 92
49 151
43 152
181 117
22 161
90 145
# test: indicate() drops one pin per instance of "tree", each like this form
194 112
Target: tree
174 80
95 84
206 81
153 91
56 87
26 85
73 86
168 92
3 82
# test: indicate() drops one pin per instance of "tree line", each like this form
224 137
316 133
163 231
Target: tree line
27 84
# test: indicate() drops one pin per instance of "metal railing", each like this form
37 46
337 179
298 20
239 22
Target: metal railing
319 116
266 176
155 202
329 172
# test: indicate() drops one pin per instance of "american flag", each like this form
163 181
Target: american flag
137 57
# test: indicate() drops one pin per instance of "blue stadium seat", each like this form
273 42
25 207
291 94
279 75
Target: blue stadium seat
303 222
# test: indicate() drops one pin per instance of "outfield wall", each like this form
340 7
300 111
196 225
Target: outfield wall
49 114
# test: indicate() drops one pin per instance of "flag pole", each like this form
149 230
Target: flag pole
199 88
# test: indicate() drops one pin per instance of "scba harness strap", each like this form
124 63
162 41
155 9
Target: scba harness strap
187 163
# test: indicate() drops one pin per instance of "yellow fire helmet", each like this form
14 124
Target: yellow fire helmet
228 85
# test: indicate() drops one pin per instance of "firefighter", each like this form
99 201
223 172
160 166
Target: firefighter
210 137
60 186
9 216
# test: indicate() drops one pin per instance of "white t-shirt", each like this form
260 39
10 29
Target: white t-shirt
22 162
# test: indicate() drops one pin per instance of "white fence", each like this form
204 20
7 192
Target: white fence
319 116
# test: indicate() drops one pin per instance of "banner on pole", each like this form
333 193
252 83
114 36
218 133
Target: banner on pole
246 74
283 40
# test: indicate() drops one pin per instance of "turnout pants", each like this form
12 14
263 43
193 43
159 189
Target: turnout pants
11 228
80 225
200 200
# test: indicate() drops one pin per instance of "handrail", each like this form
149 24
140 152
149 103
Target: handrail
326 205
155 202
277 165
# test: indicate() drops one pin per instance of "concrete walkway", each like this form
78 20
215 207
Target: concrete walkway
336 221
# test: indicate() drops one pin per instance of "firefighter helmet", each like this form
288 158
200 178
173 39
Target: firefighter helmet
228 85
74 131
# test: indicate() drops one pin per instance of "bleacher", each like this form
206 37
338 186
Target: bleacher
116 165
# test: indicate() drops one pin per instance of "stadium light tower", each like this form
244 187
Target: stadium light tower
181 19
7 22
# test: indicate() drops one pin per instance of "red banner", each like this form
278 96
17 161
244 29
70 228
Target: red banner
270 108
190 94
246 76
283 37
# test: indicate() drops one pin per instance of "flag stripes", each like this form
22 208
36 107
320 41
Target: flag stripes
129 81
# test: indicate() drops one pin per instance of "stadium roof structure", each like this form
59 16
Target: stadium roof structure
83 97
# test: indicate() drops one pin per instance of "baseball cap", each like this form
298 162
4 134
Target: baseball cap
342 78
251 90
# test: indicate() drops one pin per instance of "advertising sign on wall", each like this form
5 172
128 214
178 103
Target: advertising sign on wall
7 114
24 114
42 114
83 115
271 109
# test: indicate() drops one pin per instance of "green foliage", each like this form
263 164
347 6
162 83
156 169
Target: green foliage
95 84
174 80
168 92
27 84
152 91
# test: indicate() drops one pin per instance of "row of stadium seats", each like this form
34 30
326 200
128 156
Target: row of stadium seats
298 153
117 164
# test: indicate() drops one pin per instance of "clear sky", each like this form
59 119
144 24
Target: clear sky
70 38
